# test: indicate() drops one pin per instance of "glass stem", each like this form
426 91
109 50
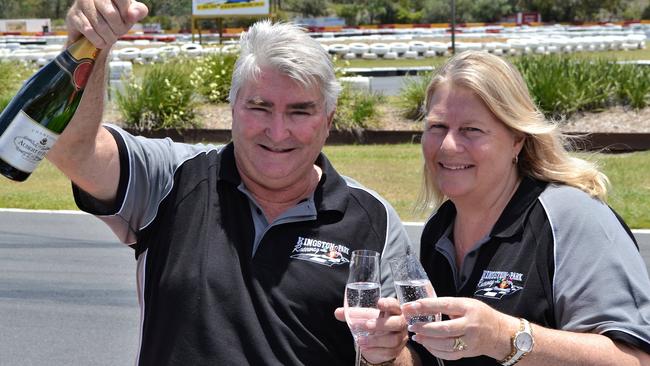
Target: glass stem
357 358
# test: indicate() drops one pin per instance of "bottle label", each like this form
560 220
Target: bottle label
79 71
25 143
77 61
81 74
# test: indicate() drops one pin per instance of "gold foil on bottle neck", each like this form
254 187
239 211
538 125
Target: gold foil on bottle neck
83 49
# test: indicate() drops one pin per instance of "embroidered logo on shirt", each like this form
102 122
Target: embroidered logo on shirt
321 252
497 284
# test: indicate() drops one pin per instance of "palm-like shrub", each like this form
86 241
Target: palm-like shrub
563 85
356 109
633 85
412 95
163 98
213 75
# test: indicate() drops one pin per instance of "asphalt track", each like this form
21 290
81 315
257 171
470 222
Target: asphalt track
67 290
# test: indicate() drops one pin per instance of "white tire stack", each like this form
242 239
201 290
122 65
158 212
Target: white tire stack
379 49
192 49
358 48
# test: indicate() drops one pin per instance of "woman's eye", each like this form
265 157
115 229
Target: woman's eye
436 127
472 130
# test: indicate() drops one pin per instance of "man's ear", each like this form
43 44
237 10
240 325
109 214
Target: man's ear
330 119
233 121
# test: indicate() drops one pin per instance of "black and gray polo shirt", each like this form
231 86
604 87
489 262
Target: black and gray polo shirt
217 284
556 257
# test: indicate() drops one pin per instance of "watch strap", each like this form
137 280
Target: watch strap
365 362
516 355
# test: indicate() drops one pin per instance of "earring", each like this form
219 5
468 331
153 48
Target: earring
515 160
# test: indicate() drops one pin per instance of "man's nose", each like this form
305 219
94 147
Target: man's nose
277 129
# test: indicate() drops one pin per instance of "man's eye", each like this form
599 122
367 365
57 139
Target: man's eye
301 113
258 109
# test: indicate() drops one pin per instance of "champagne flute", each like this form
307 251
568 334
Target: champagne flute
362 293
412 283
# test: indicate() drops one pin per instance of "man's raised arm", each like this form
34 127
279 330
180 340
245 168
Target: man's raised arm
86 152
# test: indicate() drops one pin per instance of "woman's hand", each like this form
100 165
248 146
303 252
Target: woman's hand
388 332
480 328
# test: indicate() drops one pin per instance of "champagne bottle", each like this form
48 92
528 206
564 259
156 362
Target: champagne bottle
42 108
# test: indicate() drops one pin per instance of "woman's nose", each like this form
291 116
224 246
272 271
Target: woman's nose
451 141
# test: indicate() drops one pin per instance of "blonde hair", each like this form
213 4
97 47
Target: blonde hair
504 91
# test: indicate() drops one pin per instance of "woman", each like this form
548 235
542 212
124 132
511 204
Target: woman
529 262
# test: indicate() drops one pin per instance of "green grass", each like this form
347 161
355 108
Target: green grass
392 170
630 191
45 189
643 54
12 76
391 63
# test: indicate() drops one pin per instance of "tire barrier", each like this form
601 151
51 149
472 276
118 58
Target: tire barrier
369 44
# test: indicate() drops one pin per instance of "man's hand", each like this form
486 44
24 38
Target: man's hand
388 332
103 22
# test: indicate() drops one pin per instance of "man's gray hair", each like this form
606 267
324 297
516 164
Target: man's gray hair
287 48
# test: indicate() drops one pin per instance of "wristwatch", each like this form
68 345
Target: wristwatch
522 343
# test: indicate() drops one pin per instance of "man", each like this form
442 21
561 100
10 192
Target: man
242 250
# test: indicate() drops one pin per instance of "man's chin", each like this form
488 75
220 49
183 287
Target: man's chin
275 176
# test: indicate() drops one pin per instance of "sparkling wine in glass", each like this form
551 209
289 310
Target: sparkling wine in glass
362 293
412 283
361 305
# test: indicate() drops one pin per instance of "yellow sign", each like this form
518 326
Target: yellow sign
230 7
16 26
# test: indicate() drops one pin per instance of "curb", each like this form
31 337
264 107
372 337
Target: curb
604 142
416 225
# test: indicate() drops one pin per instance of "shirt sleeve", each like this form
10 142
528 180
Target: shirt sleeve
397 245
600 282
147 168
397 242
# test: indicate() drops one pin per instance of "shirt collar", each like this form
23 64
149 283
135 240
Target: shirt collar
510 221
331 184
513 216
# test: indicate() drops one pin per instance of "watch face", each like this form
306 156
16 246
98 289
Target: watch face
524 342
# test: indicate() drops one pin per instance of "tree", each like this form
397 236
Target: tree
18 9
168 7
349 12
490 10
7 9
463 11
437 11
409 11
60 7
376 9
306 8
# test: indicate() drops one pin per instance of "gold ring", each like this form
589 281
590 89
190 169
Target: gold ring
459 344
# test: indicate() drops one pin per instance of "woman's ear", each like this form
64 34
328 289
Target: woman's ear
520 138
